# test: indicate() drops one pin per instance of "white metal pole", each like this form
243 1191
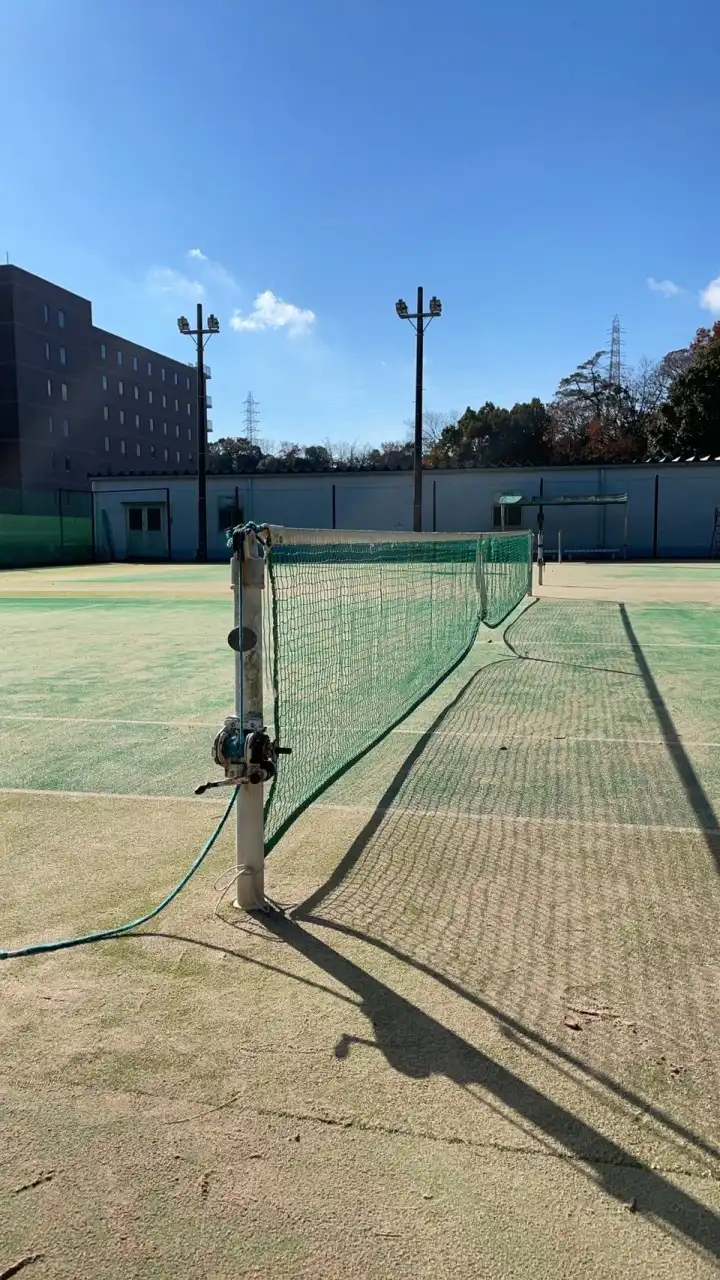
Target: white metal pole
248 582
480 579
559 546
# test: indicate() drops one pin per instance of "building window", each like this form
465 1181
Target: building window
106 413
47 313
177 455
121 387
177 430
137 420
152 424
63 390
190 457
122 417
187 383
229 514
52 459
66 428
137 393
154 520
162 374
135 519
189 409
513 517
175 379
164 428
50 424
135 364
149 397
63 355
67 463
122 446
47 350
165 455
138 448
107 444
164 402
103 351
49 386
152 450
189 433
104 382
177 407
149 370
119 357
61 323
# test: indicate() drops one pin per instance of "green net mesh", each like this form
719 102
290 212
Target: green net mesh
44 527
358 632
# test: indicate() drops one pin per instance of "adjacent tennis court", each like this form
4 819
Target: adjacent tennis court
484 1041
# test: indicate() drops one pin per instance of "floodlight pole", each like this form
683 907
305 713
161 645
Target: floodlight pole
201 336
417 319
418 443
202 550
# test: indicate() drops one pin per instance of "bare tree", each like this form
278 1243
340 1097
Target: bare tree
434 423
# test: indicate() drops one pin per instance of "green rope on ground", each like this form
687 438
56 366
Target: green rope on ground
103 934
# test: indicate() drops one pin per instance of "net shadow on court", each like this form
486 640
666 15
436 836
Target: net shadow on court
541 853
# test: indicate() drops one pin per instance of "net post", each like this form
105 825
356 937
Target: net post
559 546
248 578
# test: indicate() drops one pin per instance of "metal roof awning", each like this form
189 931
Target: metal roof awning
564 500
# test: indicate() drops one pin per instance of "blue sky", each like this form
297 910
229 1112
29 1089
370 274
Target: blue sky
534 164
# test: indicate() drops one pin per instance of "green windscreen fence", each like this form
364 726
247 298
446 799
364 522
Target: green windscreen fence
359 628
45 527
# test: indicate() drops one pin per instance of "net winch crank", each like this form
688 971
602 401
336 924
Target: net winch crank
245 756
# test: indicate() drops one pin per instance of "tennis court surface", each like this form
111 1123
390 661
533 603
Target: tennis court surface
484 1042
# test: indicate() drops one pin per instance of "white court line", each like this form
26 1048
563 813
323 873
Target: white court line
599 644
102 795
168 724
413 811
34 600
509 738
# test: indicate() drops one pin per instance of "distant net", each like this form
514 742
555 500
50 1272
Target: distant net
45 527
360 628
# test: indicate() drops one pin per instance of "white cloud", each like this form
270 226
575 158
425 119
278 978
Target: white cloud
667 288
165 282
710 296
270 312
212 270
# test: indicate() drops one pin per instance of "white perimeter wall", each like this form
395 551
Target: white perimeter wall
453 501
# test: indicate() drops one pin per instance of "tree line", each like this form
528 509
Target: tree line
664 408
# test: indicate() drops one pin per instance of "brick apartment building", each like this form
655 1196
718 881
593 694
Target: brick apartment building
76 400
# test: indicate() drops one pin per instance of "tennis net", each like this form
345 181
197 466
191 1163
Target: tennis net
359 628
